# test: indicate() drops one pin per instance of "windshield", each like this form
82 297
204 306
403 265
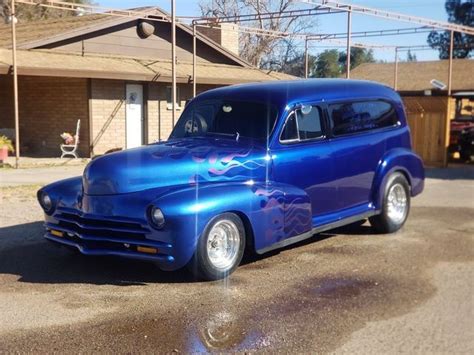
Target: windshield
226 117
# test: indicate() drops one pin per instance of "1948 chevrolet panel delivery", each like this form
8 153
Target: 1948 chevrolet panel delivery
250 167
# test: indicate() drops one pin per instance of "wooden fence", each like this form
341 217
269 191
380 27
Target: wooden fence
429 124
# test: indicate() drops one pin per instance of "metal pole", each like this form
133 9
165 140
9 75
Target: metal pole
306 57
450 73
348 60
15 86
395 74
450 79
194 59
173 61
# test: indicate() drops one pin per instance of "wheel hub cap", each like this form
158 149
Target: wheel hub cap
397 203
223 244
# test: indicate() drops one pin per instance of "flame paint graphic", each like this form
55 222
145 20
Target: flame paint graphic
287 219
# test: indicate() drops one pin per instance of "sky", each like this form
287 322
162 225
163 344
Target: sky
336 23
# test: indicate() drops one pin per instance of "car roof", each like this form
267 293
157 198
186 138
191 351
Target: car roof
282 93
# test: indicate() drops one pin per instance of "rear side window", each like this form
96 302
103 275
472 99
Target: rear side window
303 124
353 117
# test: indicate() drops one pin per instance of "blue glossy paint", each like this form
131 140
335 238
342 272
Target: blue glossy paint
279 190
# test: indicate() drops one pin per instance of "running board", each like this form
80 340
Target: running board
298 238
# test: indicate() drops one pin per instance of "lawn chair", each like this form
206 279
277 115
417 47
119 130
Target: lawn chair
71 149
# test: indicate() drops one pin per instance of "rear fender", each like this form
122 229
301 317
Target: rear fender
403 160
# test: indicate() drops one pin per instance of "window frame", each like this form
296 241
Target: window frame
324 125
331 134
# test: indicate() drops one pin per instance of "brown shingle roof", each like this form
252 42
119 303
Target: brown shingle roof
35 34
416 76
36 30
47 63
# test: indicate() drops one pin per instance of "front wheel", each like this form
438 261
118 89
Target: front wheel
396 205
220 248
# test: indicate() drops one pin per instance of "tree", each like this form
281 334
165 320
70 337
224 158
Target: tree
411 57
327 65
261 50
461 13
26 12
358 56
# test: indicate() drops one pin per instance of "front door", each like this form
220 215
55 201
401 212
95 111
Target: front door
303 160
134 115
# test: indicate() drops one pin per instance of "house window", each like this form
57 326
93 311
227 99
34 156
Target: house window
169 101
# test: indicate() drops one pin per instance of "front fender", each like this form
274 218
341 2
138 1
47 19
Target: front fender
272 212
65 193
403 160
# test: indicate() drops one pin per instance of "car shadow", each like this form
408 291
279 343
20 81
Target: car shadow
355 229
25 253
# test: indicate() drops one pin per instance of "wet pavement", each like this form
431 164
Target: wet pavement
344 291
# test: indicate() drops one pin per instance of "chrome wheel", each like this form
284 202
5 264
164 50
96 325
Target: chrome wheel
396 203
223 244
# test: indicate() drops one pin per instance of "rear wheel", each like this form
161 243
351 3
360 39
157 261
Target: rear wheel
220 248
396 205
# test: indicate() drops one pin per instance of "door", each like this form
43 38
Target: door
134 115
303 159
360 132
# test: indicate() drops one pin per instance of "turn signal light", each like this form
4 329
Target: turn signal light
147 250
57 233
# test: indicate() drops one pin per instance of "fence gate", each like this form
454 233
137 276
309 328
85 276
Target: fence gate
429 125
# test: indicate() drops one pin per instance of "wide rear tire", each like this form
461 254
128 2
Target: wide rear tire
395 206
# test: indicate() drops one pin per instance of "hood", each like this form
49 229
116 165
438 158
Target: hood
174 163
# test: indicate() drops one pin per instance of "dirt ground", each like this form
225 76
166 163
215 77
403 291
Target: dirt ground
343 291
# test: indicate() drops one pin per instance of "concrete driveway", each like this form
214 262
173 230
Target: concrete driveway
344 291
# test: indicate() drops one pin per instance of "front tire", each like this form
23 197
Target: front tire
220 248
396 205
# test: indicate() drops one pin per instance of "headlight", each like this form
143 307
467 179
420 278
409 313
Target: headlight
45 201
157 217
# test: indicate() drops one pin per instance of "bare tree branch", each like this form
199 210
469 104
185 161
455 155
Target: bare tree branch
261 50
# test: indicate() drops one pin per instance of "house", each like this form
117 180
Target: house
423 87
113 74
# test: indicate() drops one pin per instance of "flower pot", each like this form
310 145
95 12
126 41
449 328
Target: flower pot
3 154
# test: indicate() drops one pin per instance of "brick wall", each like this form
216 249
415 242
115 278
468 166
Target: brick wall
108 115
6 102
48 107
225 34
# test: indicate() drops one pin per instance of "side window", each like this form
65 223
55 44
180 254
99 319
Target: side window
290 131
353 117
303 124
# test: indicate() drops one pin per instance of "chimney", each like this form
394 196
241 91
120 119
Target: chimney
225 34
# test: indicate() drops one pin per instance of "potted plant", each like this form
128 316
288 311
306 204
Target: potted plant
5 147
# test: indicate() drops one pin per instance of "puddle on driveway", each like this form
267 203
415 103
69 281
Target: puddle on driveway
342 288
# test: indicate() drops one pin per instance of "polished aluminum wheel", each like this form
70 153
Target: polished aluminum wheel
397 203
223 244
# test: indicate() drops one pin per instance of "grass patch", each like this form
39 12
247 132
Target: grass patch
18 193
